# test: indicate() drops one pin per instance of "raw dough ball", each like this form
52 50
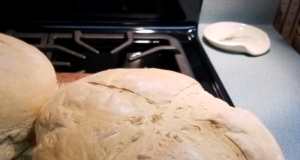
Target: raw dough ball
147 114
27 81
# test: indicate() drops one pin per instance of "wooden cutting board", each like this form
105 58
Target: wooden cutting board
65 78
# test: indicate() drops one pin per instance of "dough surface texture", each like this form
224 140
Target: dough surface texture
27 81
147 114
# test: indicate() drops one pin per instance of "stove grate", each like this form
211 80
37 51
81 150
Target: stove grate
47 43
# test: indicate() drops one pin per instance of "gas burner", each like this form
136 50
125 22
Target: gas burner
76 51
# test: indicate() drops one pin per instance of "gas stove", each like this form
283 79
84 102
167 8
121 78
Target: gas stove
122 38
75 51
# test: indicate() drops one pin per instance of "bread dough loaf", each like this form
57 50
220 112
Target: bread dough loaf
27 81
147 114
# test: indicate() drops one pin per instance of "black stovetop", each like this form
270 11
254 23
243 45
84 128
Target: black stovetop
97 48
89 36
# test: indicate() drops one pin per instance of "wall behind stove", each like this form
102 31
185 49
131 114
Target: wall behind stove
191 9
251 12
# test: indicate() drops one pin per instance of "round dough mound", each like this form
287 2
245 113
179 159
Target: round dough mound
27 81
147 114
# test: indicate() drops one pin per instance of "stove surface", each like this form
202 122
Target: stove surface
93 49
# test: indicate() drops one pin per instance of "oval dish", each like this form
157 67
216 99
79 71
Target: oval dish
237 37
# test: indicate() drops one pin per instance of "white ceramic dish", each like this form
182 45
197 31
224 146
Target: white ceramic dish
237 37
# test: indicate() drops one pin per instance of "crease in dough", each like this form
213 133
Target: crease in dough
194 126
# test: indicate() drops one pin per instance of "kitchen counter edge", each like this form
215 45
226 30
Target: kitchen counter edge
267 85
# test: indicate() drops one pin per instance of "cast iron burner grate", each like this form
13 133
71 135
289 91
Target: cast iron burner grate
93 52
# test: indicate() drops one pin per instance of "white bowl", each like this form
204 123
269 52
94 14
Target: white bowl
237 37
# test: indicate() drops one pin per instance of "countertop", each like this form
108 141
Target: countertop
268 85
